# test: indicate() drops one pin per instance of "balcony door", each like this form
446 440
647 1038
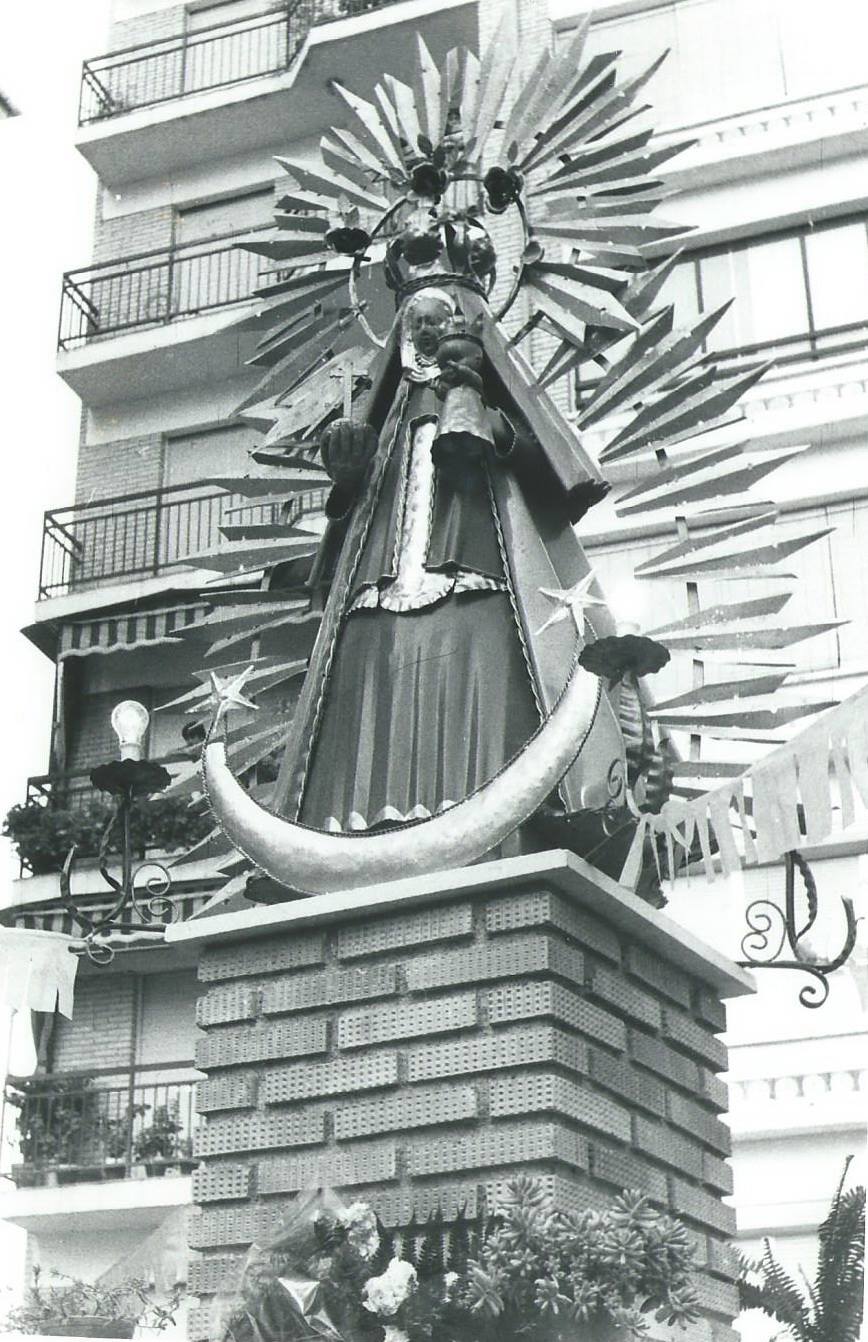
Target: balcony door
208 270
233 40
192 511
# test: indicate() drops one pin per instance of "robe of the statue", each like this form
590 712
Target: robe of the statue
429 673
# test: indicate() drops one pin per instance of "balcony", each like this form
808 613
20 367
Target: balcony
179 96
153 288
136 536
88 1128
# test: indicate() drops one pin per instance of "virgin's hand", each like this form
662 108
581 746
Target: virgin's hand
346 448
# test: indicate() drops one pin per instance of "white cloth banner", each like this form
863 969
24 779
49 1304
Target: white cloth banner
37 970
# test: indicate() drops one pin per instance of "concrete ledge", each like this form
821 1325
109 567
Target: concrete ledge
558 870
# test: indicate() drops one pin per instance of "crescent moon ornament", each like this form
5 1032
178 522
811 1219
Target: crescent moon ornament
316 862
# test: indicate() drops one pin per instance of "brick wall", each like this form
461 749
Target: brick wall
101 1032
131 32
421 1059
126 467
129 234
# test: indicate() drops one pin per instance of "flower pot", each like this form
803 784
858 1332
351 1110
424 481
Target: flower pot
88 1325
155 1169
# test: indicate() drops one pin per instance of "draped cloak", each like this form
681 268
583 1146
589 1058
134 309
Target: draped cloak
406 710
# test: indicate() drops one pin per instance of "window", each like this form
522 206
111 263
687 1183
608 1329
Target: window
810 282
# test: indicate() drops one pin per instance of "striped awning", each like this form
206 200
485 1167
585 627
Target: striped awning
53 918
121 632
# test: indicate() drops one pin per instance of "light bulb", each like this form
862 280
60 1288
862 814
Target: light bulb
130 722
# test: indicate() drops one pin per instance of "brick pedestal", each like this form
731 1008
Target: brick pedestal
418 1044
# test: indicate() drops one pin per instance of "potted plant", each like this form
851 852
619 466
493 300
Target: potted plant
158 1143
58 1122
69 1307
116 1137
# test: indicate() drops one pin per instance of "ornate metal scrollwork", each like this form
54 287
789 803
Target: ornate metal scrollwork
149 899
771 928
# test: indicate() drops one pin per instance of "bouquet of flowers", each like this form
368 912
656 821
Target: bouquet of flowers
334 1272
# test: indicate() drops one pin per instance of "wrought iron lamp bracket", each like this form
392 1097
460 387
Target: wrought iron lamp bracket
149 899
770 928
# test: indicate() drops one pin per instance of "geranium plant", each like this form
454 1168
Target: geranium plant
526 1272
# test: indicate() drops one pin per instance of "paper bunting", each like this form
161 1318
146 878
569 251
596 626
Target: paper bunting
795 792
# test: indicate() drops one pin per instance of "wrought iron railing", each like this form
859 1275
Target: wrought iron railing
138 535
75 1128
153 288
214 57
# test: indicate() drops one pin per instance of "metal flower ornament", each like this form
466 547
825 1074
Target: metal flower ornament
424 698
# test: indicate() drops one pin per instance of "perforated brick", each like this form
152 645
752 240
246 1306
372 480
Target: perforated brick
627 1000
659 974
402 1020
218 1226
363 1164
722 1257
237 1001
396 1208
340 1076
421 1108
557 1191
288 1039
498 960
717 1173
663 1060
617 1075
267 956
483 1053
225 1092
718 1297
694 1038
199 1325
709 1008
624 1170
282 996
714 1089
256 1132
221 1183
697 1205
517 1001
698 1122
410 929
497 1145
653 1139
546 1091
222 1272
510 912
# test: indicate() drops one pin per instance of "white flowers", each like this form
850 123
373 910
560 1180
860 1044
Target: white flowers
386 1294
360 1224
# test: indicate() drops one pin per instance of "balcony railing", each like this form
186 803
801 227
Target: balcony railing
153 288
76 1128
142 535
215 57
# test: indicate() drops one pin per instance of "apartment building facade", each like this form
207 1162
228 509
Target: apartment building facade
181 122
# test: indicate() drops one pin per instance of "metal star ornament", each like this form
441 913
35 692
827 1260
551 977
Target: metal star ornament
570 601
226 694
